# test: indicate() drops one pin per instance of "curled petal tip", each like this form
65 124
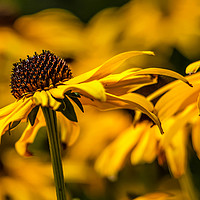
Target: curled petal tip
151 53
189 84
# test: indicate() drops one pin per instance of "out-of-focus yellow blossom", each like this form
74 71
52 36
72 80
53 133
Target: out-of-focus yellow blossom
162 25
144 143
54 29
24 180
183 105
177 109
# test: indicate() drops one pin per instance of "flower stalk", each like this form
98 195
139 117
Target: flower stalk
55 151
187 185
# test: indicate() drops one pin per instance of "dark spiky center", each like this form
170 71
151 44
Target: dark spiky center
40 72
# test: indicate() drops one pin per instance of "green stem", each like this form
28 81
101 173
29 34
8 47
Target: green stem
55 151
188 186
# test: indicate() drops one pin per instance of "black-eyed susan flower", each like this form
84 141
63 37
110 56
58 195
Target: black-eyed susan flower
46 80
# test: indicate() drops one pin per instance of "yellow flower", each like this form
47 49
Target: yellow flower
178 110
144 143
37 82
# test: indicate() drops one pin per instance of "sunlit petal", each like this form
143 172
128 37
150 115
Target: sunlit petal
29 135
128 101
92 90
177 125
193 67
69 130
113 157
164 72
19 113
107 68
41 98
9 108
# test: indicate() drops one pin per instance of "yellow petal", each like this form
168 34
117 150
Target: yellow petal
45 99
196 137
164 72
117 80
112 158
176 154
41 98
139 150
173 101
52 102
107 68
163 89
193 67
69 130
120 86
128 101
29 135
19 113
150 152
9 108
92 90
173 126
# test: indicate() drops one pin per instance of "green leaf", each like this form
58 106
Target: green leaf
68 110
32 115
12 125
78 103
74 96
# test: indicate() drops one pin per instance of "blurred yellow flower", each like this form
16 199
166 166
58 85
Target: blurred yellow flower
25 180
145 144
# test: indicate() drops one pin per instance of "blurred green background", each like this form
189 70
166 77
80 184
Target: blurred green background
83 9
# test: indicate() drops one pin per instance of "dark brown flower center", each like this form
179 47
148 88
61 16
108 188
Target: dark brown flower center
40 72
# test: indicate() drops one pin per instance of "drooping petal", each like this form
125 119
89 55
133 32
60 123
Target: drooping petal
174 100
19 113
92 90
41 98
45 99
193 67
128 101
113 157
146 140
28 137
52 102
176 154
69 130
164 72
106 68
151 149
9 108
173 126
